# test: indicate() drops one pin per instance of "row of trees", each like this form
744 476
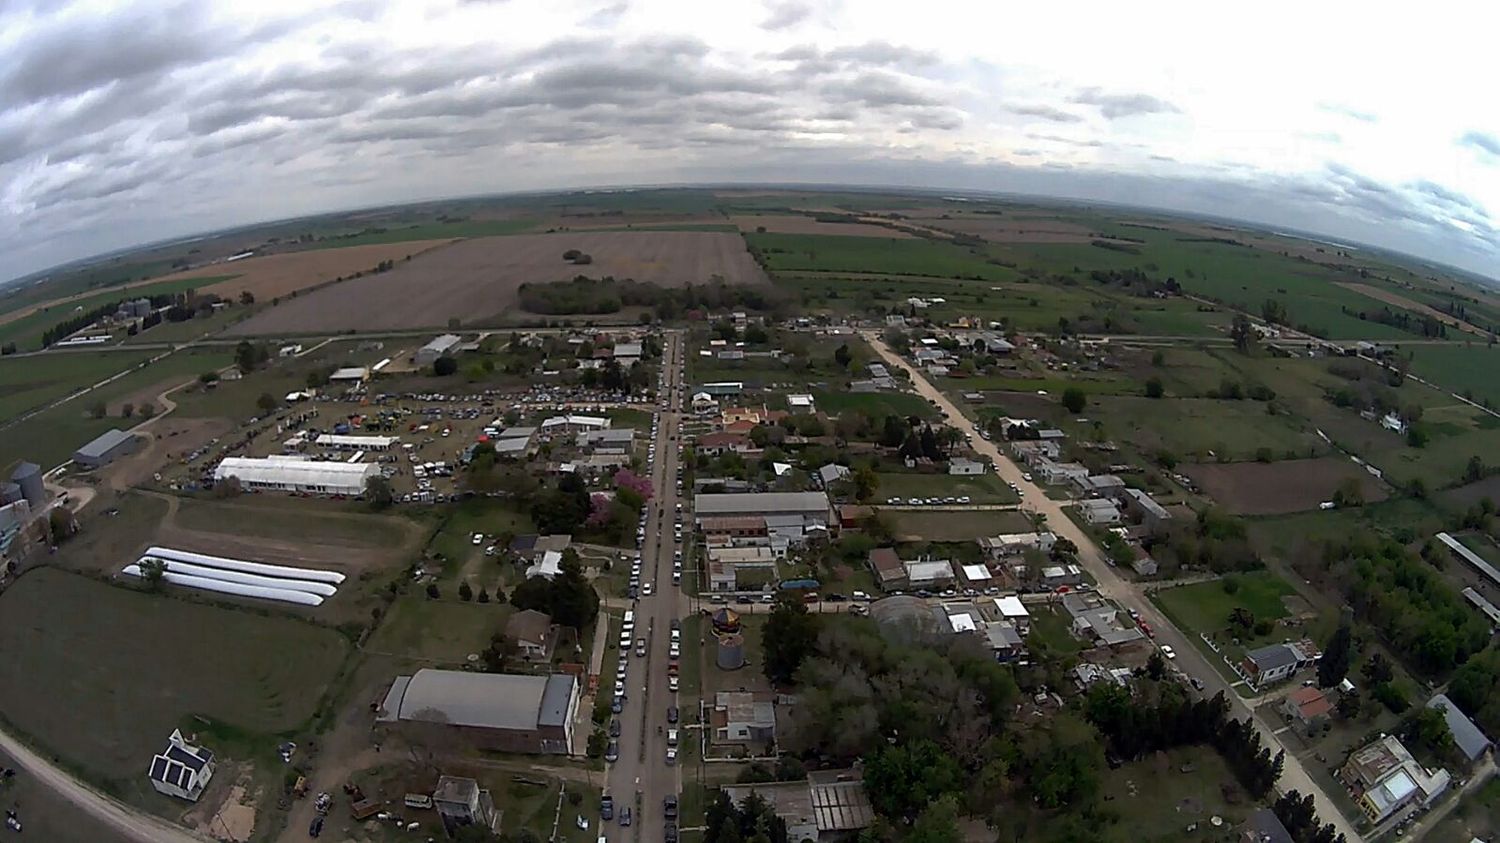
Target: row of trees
610 295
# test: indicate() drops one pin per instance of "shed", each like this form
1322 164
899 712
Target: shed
105 449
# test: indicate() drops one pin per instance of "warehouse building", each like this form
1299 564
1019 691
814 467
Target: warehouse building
297 474
437 347
108 447
790 517
503 712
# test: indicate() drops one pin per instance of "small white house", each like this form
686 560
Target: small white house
966 467
181 770
801 403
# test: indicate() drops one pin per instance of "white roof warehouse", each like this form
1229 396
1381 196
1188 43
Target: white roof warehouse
296 474
503 711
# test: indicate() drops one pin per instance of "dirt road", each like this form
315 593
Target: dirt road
128 822
1115 587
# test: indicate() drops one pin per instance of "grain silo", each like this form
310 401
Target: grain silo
9 493
731 655
28 475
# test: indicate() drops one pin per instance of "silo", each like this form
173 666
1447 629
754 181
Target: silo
731 655
28 475
9 493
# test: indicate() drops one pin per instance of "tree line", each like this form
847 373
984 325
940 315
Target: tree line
584 295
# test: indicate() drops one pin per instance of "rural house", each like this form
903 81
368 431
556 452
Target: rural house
1144 508
741 716
181 770
1100 511
962 466
1384 779
1307 707
831 474
830 805
714 444
887 568
929 573
1275 662
532 633
460 802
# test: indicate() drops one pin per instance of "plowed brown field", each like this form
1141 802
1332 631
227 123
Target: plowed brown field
476 280
279 275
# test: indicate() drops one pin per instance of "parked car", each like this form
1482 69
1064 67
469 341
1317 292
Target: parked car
316 828
671 714
669 807
624 816
612 752
607 807
1166 650
614 727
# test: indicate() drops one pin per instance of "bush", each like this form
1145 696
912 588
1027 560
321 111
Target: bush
444 366
432 591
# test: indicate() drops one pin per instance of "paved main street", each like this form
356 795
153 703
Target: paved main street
641 778
1111 585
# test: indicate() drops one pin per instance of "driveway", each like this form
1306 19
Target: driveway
1124 592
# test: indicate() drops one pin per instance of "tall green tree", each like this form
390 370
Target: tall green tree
1337 656
1074 399
788 638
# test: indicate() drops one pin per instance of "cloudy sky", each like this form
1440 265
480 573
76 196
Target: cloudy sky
127 122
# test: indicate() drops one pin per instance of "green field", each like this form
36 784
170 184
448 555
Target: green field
876 405
1155 798
30 382
955 526
296 519
1231 430
440 631
1461 368
50 437
984 488
26 332
103 695
1205 607
837 253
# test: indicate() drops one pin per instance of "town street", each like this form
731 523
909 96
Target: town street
1127 594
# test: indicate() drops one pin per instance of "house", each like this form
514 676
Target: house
1060 575
532 633
754 415
548 564
1098 621
929 573
1262 826
1308 707
1059 473
1270 664
975 576
460 802
1385 780
1100 511
1010 544
965 467
504 712
831 474
830 805
1004 640
571 424
1032 451
617 441
182 769
887 568
1144 508
1393 422
1088 674
704 403
740 716
1011 610
723 442
734 530
1100 485
801 404
1144 565
1466 735
792 517
628 354
725 564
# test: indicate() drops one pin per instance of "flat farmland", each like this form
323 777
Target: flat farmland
1230 430
30 382
1278 488
477 280
103 695
279 275
797 253
25 327
797 224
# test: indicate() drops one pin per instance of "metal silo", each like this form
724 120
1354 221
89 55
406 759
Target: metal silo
731 655
28 475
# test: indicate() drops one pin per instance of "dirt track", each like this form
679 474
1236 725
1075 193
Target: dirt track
476 280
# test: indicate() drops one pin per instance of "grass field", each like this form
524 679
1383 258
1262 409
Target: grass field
476 515
31 382
1208 429
984 488
439 631
192 329
1050 626
26 332
294 519
1205 607
822 253
103 695
955 526
51 437
1463 368
877 405
1155 798
426 231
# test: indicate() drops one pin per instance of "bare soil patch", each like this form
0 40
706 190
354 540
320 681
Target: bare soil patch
273 276
795 224
476 280
1277 488
171 439
1395 299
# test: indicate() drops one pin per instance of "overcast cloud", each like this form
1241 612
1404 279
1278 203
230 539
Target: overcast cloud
122 123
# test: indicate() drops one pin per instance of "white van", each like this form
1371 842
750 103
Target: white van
629 623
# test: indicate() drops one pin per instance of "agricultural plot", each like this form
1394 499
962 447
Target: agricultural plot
1467 369
983 488
1208 429
477 280
282 274
796 224
955 526
1254 488
819 253
31 382
103 695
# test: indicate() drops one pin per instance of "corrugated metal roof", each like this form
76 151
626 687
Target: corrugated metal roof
760 502
483 700
103 443
343 477
1466 735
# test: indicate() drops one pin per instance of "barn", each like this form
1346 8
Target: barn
504 712
105 449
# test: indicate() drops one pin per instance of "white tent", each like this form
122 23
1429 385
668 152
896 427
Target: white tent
294 475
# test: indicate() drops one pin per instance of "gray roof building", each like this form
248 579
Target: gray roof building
762 503
515 712
105 448
1466 736
1263 827
1272 657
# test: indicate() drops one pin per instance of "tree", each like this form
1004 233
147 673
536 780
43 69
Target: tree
98 410
378 492
1074 400
1242 334
1156 666
904 779
147 410
247 297
1349 493
266 402
444 366
789 637
484 594
1158 359
1154 388
153 573
1474 471
465 591
1242 617
1337 656
843 356
866 481
245 357
432 591
1377 670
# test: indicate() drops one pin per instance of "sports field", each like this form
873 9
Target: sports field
99 675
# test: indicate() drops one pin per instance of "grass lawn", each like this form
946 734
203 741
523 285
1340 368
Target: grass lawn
316 521
1232 430
103 695
1205 606
955 526
983 488
876 405
193 328
51 437
444 631
1050 626
31 382
837 253
476 515
1155 798
639 420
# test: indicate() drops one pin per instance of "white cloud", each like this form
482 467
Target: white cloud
133 122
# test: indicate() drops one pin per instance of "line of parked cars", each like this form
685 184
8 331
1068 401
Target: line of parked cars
949 501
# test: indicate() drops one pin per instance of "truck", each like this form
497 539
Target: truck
364 808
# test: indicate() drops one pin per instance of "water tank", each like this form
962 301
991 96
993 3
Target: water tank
731 655
9 493
28 475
